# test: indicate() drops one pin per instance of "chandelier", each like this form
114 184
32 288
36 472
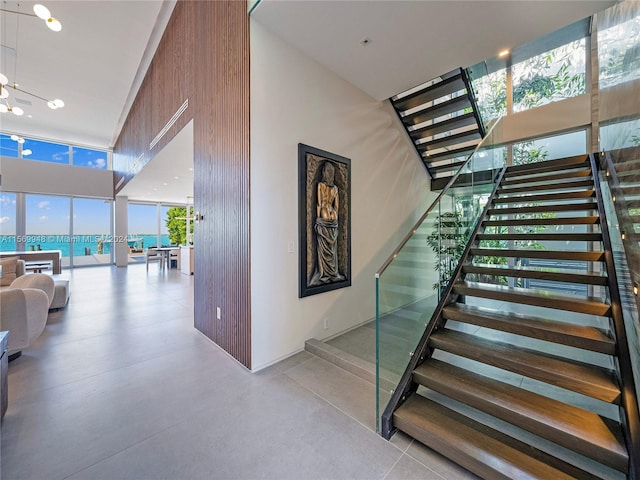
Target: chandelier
42 12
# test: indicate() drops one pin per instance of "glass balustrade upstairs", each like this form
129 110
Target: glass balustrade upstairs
409 284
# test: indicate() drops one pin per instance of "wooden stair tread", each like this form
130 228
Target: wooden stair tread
436 111
446 166
551 237
456 152
579 336
527 296
454 123
590 220
478 448
548 254
548 165
456 139
565 276
580 430
565 207
546 197
579 377
547 186
547 178
430 93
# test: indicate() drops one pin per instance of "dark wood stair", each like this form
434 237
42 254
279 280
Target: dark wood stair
444 108
537 298
579 336
471 444
567 276
572 427
582 378
523 340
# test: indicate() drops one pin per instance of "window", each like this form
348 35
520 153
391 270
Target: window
91 231
619 53
84 157
491 94
46 151
8 147
549 148
8 222
550 76
47 225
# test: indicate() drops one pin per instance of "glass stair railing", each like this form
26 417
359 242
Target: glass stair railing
409 284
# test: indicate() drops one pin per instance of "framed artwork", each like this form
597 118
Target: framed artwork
324 220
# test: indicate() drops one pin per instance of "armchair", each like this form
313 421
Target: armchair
24 308
23 311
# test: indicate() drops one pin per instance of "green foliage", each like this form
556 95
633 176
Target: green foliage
541 83
176 225
447 240
525 153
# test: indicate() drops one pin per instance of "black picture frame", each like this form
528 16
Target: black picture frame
321 275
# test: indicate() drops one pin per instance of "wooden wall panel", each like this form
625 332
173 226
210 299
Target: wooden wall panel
222 176
204 53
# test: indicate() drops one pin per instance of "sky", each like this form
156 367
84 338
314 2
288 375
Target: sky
49 215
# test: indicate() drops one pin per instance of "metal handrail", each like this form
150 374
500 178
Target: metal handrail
435 202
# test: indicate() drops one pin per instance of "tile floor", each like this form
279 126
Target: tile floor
121 386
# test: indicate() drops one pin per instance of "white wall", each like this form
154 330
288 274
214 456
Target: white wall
31 176
296 100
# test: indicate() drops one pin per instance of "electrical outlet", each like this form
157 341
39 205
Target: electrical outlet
218 313
326 323
291 247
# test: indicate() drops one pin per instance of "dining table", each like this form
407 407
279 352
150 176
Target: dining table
166 254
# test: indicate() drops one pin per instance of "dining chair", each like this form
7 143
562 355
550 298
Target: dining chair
154 255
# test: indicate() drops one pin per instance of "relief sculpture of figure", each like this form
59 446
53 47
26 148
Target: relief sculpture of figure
326 228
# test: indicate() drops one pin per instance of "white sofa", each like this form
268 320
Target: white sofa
24 307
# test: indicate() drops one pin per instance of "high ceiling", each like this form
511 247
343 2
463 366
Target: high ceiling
91 64
96 63
411 42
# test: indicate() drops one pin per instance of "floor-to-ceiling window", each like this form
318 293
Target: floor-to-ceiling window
48 225
92 239
8 222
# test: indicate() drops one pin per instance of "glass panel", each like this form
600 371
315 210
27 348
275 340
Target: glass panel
8 222
549 77
91 232
549 148
409 285
622 183
84 157
620 135
619 44
491 94
47 225
165 239
8 147
46 151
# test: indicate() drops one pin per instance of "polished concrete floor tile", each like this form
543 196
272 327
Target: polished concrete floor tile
121 386
351 394
438 463
275 429
409 469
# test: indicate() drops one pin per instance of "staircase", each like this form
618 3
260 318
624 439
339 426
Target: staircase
442 120
513 381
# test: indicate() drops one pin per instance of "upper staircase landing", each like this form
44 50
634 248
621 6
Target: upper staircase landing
442 120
